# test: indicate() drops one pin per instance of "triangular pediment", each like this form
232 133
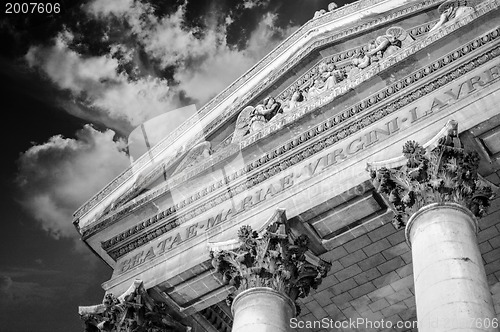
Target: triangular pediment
350 88
337 92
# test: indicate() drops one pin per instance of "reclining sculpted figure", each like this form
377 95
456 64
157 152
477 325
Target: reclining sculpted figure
253 119
451 10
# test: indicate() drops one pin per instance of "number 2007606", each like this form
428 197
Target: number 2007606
32 8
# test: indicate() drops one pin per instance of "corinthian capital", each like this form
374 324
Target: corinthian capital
271 258
439 172
133 311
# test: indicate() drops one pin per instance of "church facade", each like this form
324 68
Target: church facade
348 181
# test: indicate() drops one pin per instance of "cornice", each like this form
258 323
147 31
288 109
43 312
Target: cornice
307 29
325 134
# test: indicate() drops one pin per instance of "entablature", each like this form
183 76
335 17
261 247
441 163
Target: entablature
348 20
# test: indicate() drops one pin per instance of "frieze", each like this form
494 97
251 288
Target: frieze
358 144
300 33
301 111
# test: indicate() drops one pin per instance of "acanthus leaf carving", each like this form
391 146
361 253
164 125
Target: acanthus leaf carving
444 173
272 259
133 311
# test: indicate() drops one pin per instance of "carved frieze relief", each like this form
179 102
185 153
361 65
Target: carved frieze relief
342 61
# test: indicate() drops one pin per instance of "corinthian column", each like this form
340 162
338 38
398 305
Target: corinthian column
269 270
437 195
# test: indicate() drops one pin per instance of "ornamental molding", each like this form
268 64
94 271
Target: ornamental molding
133 311
270 257
305 30
440 171
324 135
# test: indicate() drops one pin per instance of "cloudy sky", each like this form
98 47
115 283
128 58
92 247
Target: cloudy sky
73 86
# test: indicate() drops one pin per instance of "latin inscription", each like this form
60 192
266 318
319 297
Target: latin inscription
321 163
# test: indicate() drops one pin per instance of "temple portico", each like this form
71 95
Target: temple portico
350 184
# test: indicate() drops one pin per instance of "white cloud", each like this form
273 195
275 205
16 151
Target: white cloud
58 176
223 64
107 7
249 4
95 81
14 292
204 65
69 71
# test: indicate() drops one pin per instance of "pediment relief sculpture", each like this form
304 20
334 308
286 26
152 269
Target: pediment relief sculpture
383 46
325 79
295 100
325 76
253 119
451 10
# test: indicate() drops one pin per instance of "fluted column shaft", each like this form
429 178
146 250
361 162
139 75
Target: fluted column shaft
451 289
262 309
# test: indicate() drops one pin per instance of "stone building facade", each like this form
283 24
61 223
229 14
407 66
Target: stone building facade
346 182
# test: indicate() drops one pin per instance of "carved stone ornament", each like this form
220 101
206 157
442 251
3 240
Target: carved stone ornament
440 172
269 258
198 153
134 311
